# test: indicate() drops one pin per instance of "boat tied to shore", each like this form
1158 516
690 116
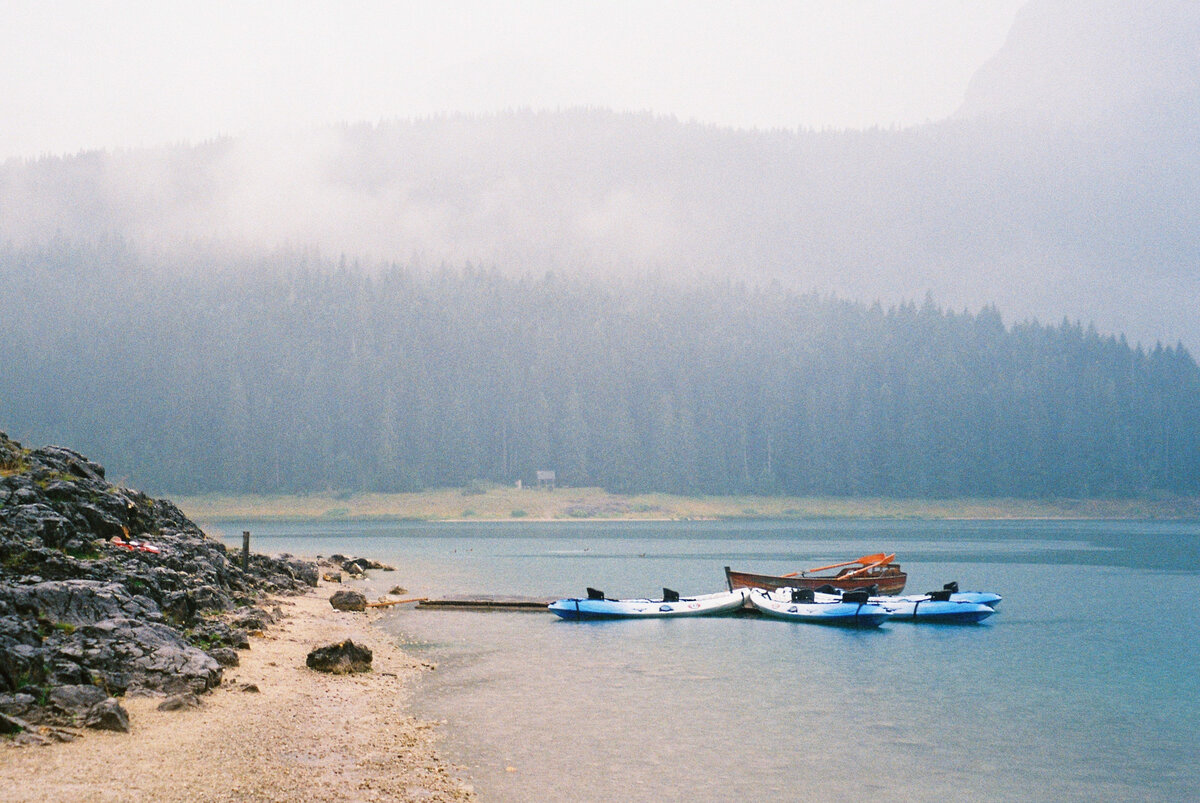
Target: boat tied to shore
597 606
880 570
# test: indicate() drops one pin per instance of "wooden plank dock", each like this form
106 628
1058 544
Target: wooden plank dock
488 602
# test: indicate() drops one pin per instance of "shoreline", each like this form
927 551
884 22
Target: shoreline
304 735
505 504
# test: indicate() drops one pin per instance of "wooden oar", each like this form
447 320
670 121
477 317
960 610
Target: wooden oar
390 602
878 557
883 561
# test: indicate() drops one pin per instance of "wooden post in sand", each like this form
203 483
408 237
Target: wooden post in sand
245 550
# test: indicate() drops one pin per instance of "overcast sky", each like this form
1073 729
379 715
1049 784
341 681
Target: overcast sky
81 74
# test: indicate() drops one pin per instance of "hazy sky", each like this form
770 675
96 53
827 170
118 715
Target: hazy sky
83 74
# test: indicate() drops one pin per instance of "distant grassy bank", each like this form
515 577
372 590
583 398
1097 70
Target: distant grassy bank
495 503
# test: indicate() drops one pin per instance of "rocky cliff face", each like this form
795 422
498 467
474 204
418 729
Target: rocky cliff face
105 591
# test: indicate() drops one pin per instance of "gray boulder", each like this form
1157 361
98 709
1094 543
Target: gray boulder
360 566
178 702
12 724
225 656
107 715
74 701
79 602
127 654
346 600
342 658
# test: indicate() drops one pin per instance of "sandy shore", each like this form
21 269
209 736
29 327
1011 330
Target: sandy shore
303 736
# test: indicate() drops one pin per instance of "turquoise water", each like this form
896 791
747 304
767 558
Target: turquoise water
1086 685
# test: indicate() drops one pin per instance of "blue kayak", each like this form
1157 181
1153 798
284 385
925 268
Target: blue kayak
931 608
948 606
597 606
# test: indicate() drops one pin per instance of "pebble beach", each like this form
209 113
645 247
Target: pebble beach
274 730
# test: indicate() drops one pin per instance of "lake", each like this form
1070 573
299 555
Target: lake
1085 685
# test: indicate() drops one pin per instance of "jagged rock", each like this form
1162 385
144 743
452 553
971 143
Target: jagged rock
398 591
180 607
360 566
107 715
11 724
209 598
249 687
144 656
225 656
18 705
220 634
301 570
178 702
342 658
82 613
72 702
58 734
78 602
332 577
39 520
250 618
346 600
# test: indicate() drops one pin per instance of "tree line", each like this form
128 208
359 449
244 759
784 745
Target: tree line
306 375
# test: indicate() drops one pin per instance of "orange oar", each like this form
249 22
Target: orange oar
883 561
880 556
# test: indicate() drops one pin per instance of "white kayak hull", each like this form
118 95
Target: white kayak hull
924 609
702 605
963 607
829 611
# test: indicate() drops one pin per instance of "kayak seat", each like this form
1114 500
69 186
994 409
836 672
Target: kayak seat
595 593
803 595
670 596
952 587
940 596
858 595
825 589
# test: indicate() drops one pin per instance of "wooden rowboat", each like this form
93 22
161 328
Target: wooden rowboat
880 570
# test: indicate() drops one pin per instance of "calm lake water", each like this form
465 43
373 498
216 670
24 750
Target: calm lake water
1085 686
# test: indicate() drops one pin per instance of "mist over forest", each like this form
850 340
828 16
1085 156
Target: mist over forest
999 303
329 378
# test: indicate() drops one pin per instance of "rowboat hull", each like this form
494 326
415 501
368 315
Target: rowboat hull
779 605
703 605
890 579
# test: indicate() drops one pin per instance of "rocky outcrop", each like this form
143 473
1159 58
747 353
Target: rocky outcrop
105 591
353 566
